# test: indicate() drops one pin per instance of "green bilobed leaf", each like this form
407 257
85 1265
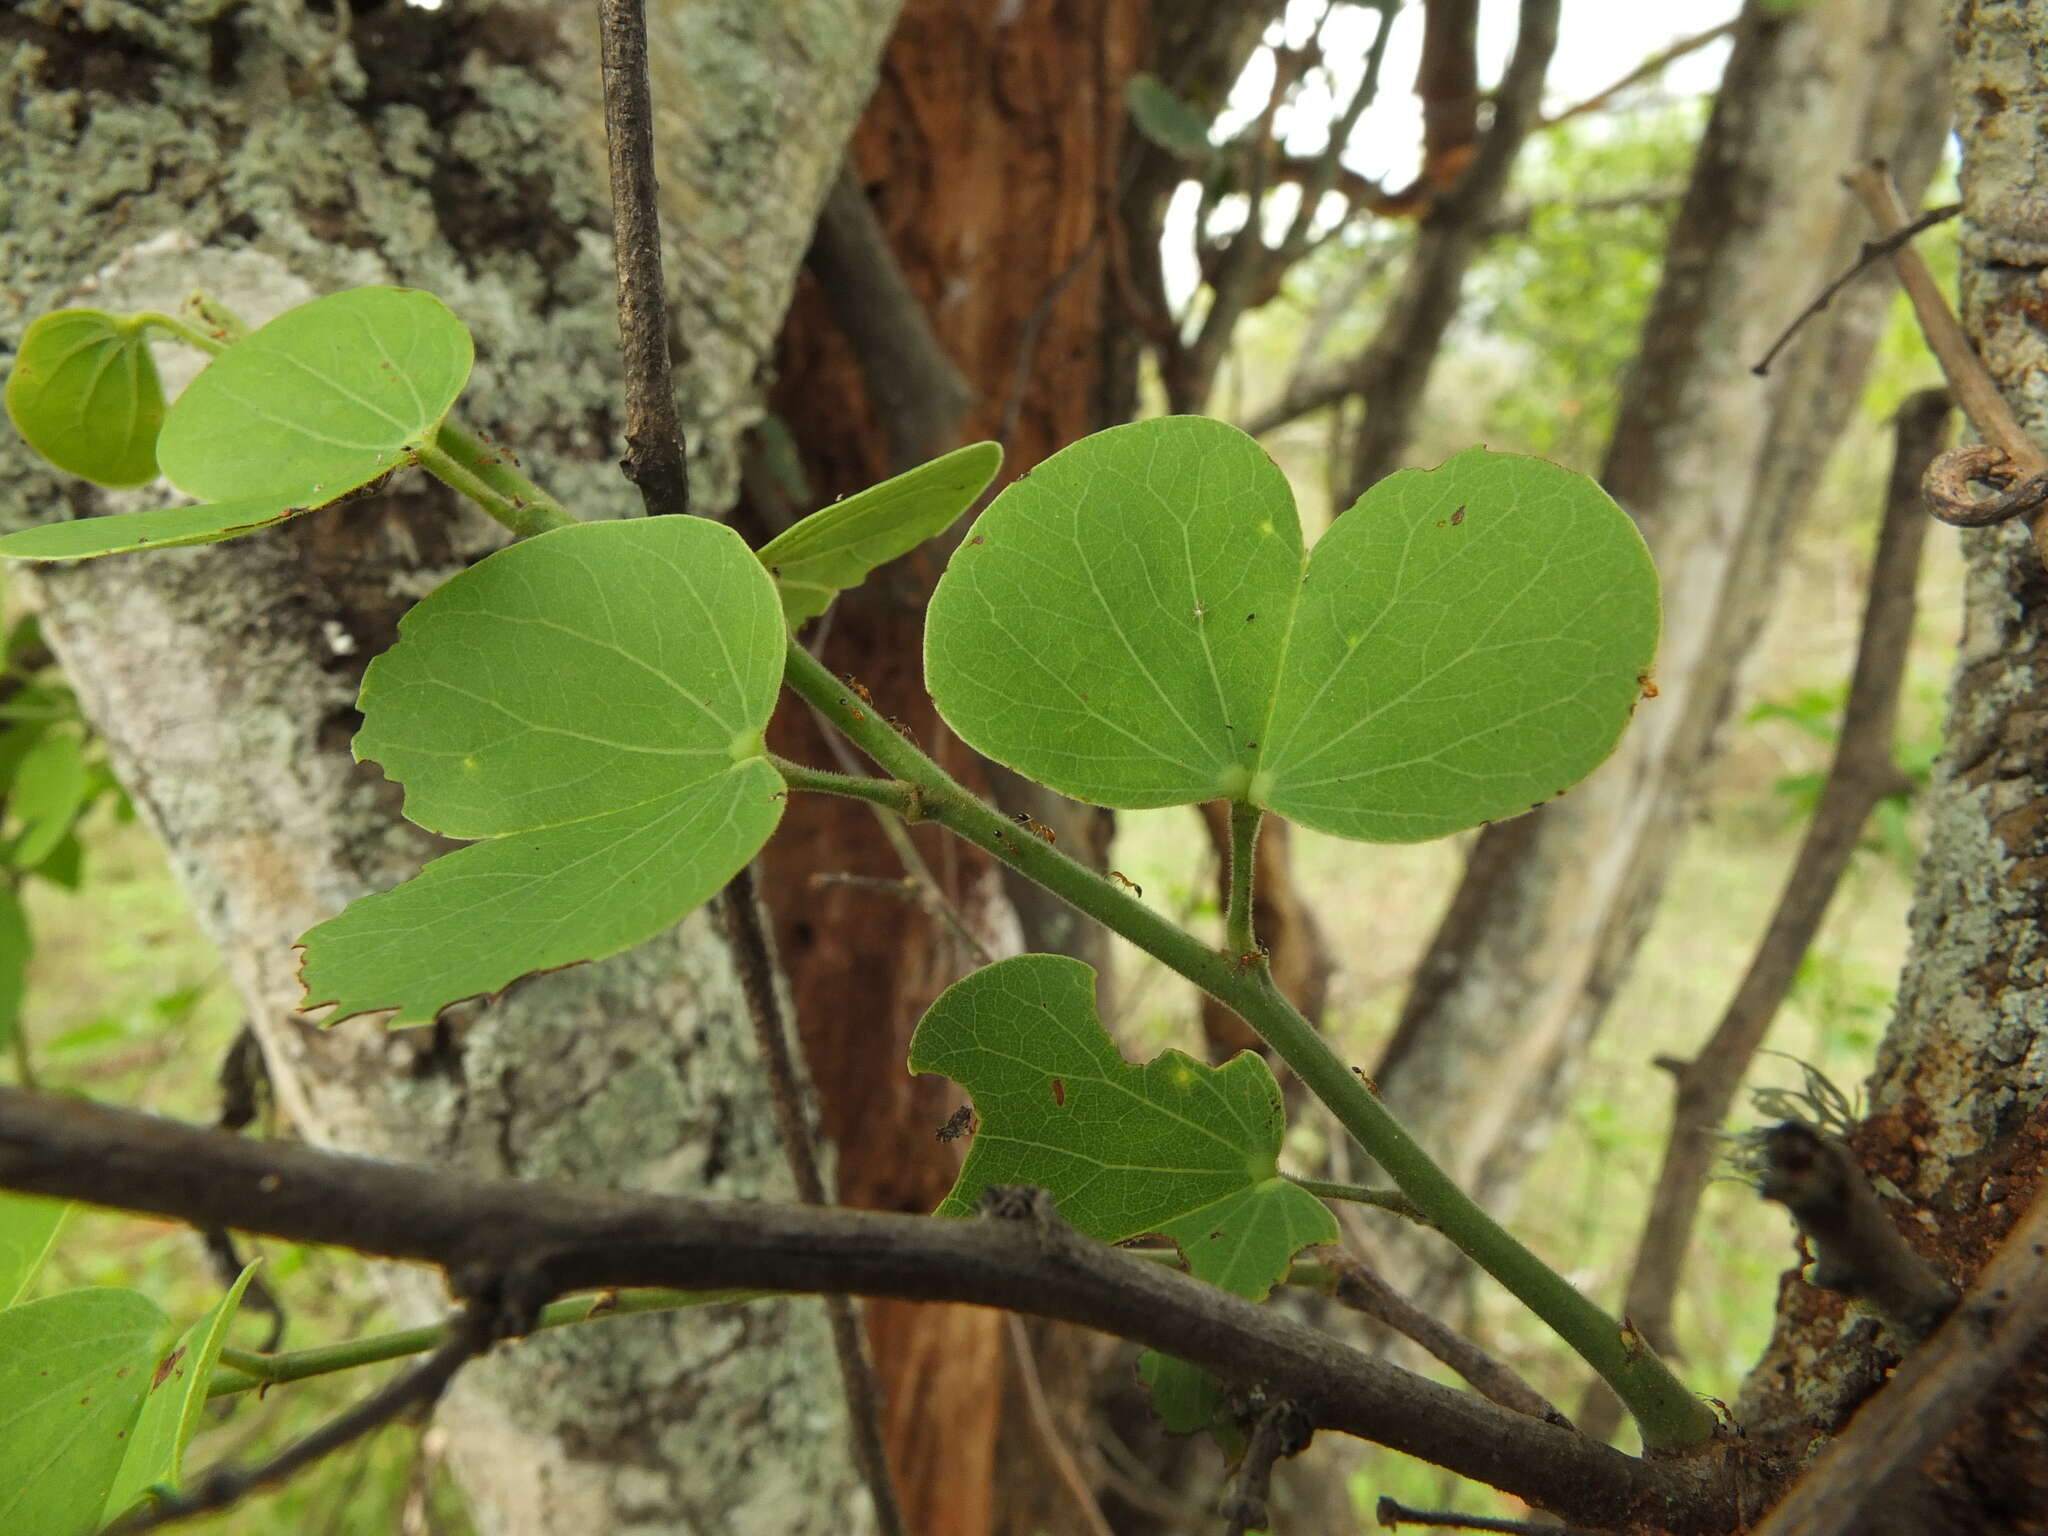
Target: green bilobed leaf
85 394
49 786
158 528
74 1370
592 701
1113 624
1131 625
314 405
170 1413
1471 641
1173 1147
835 548
28 1227
322 400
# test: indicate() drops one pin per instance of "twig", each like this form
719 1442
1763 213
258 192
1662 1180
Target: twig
572 1237
1862 774
2023 466
917 392
1280 1430
1393 370
740 912
1975 1351
1655 64
933 898
1856 1249
1871 251
1393 1514
654 436
1055 1444
1356 1285
470 1333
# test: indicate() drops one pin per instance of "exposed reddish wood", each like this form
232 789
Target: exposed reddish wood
988 155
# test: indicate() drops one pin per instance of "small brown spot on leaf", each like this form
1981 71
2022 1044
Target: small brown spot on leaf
1059 1093
1457 517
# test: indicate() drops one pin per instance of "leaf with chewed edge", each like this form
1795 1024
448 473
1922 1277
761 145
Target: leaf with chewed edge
1173 1147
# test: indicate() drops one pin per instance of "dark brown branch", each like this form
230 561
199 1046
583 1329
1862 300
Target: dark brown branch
1651 67
1941 1381
654 435
1360 1288
556 1239
470 1333
1856 1248
918 393
1872 251
1280 1430
1393 1514
1863 773
740 912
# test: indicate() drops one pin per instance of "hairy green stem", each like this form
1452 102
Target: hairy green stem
1667 1413
1238 935
496 468
242 1371
454 458
1364 1194
191 335
890 794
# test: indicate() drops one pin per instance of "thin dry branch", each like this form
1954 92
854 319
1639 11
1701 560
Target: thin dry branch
2018 466
1394 368
1651 67
553 1239
470 1333
1940 1382
1054 1444
740 912
654 435
1864 772
1357 1286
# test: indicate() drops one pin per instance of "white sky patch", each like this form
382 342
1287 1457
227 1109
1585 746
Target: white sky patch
1599 41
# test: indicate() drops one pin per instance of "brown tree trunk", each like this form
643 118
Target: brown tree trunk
988 157
1959 1101
1717 467
273 153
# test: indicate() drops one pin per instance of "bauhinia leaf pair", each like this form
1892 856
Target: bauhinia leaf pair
1136 622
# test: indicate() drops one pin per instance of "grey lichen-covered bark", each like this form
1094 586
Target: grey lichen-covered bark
1958 1103
267 152
1970 1039
1716 466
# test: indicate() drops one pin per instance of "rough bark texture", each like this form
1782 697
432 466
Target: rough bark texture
265 154
986 156
1957 1100
1716 466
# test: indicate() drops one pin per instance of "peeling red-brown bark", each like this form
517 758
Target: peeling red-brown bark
988 156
